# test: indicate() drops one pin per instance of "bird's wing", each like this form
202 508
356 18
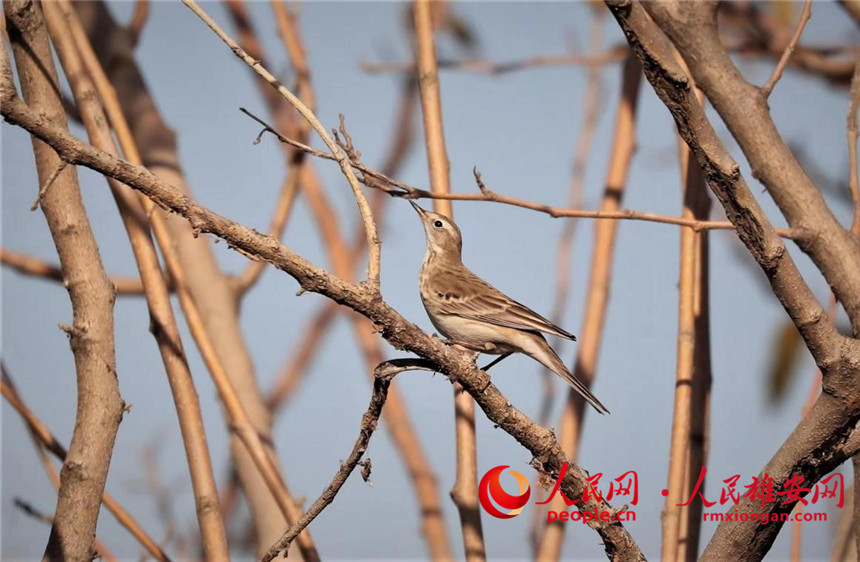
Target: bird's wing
479 300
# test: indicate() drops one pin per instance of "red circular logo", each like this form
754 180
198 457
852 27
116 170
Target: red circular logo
490 487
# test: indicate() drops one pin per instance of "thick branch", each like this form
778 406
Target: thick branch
744 108
816 446
99 405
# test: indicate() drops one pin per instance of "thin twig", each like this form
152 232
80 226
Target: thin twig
44 189
399 189
789 49
612 55
851 128
364 208
138 21
382 377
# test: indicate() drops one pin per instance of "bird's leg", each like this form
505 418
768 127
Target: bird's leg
498 359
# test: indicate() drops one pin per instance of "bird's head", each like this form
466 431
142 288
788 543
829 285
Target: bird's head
443 236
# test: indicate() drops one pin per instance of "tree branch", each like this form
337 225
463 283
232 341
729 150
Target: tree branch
816 446
238 419
381 181
363 207
99 404
612 55
692 28
789 50
205 280
34 267
382 377
164 327
456 365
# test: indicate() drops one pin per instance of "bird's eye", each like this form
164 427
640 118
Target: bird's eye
437 224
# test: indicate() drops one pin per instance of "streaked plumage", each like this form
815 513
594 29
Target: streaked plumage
474 314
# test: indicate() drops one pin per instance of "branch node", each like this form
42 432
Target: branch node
44 189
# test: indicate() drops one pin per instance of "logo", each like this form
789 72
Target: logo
490 487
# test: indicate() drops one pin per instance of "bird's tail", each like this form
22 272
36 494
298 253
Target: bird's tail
545 355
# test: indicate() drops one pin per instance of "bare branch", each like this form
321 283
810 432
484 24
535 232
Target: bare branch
208 284
238 418
138 20
691 26
165 329
364 208
816 446
789 50
382 377
100 405
396 188
853 182
612 55
34 267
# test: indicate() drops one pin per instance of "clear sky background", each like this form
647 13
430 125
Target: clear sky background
519 130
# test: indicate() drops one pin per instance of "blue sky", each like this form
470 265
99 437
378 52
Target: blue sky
519 130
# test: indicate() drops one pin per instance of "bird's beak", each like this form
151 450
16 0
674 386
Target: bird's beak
421 212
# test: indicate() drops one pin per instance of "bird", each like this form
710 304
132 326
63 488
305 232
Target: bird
473 314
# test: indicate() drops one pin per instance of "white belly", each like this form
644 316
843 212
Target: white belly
474 334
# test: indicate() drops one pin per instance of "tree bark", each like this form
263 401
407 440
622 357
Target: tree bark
99 405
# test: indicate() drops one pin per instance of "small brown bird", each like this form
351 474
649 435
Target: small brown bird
473 314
